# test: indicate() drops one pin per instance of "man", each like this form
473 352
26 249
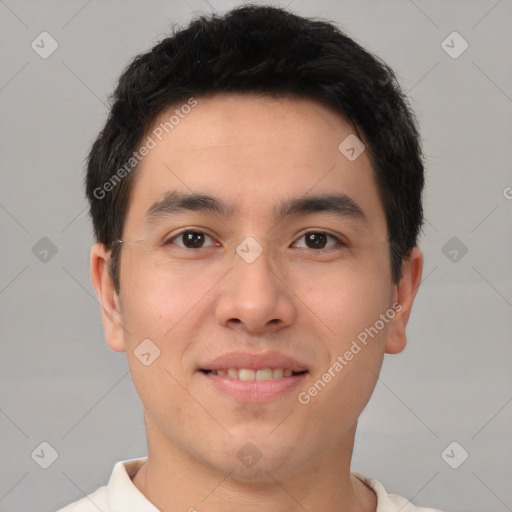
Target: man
256 200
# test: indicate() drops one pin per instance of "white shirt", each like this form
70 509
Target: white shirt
121 495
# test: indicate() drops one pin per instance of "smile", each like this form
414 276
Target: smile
249 374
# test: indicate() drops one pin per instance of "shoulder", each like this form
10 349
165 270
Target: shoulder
119 494
90 503
390 502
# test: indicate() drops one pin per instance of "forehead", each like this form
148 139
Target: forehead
253 152
250 122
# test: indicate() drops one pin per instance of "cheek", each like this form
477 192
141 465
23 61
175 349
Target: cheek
158 296
349 298
350 301
167 306
161 394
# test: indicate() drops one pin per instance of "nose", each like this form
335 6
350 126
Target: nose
254 297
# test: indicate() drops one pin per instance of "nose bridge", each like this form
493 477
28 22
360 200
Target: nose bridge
254 264
254 293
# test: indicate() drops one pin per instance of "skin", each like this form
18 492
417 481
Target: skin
254 152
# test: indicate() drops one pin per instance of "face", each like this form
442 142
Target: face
268 300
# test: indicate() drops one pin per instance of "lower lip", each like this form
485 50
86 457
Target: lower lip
255 390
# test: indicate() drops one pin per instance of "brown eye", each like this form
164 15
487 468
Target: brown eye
190 240
193 239
318 240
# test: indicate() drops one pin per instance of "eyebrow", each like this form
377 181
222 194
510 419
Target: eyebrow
175 203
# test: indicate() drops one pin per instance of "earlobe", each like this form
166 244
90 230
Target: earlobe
108 297
405 294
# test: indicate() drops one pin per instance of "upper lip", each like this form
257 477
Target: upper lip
254 361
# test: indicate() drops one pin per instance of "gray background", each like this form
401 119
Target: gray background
61 384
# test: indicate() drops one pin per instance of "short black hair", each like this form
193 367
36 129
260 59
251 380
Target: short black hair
271 51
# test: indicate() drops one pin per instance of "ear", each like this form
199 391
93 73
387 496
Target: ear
107 295
404 295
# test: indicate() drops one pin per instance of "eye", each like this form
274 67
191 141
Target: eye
190 240
318 240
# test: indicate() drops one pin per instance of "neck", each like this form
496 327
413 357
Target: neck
173 481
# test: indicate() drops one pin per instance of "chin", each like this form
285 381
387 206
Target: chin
259 460
264 471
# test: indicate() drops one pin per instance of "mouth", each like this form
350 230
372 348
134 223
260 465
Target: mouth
253 377
249 374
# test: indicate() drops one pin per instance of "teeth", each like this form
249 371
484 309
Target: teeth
233 373
248 374
265 374
244 374
277 373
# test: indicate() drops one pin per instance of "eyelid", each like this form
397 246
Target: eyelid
169 239
340 241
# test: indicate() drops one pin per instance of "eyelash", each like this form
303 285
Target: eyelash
170 240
